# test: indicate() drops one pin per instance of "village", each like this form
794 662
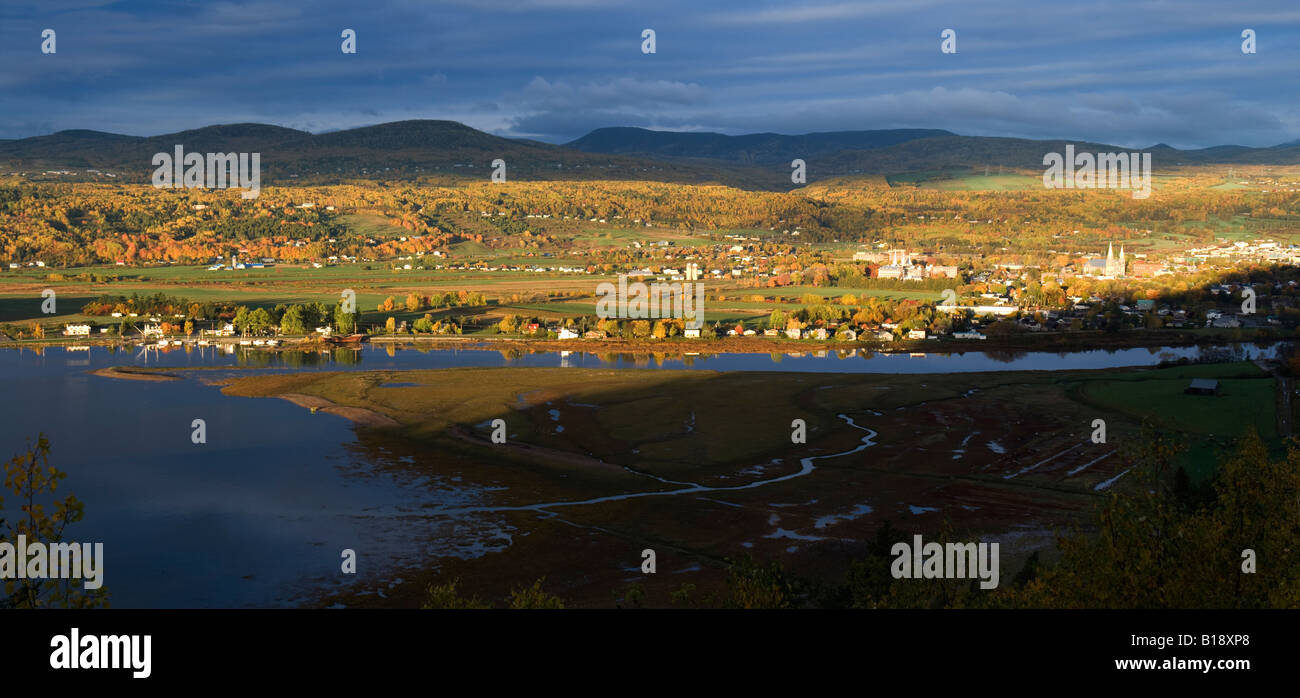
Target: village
968 305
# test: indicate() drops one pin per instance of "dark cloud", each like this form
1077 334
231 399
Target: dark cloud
1114 71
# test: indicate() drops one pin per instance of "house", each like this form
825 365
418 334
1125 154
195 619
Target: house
324 331
76 330
1146 269
968 334
690 333
916 334
593 334
223 330
566 333
1203 386
847 335
793 333
819 333
885 336
772 333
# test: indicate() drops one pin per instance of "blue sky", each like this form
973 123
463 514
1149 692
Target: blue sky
1131 72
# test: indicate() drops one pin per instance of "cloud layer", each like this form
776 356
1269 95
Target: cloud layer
1120 72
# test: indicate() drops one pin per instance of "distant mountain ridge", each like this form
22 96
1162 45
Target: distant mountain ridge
400 149
754 148
895 151
409 149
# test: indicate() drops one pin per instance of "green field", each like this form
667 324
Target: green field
990 182
372 225
1203 424
795 292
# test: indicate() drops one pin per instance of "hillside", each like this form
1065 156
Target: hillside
398 150
757 148
442 150
895 151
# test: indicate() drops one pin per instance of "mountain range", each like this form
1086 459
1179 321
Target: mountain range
408 149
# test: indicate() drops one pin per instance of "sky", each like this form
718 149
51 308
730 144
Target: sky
1131 73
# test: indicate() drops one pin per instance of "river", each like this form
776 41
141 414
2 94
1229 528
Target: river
261 519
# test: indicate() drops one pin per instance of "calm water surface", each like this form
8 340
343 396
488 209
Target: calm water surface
259 515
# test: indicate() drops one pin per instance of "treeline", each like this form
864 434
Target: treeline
426 325
661 328
156 304
416 301
294 319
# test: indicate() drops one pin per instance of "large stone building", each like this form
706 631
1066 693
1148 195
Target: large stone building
1111 267
901 266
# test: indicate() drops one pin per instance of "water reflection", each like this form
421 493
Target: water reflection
394 357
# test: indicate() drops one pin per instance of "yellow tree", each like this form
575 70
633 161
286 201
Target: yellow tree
33 481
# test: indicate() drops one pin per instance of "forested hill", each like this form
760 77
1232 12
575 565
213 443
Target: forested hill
397 150
756 148
407 150
896 151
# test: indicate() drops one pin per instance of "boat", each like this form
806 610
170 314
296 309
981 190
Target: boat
350 339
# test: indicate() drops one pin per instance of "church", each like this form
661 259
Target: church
1111 267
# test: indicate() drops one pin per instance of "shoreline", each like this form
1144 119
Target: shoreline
1037 342
1055 342
133 373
